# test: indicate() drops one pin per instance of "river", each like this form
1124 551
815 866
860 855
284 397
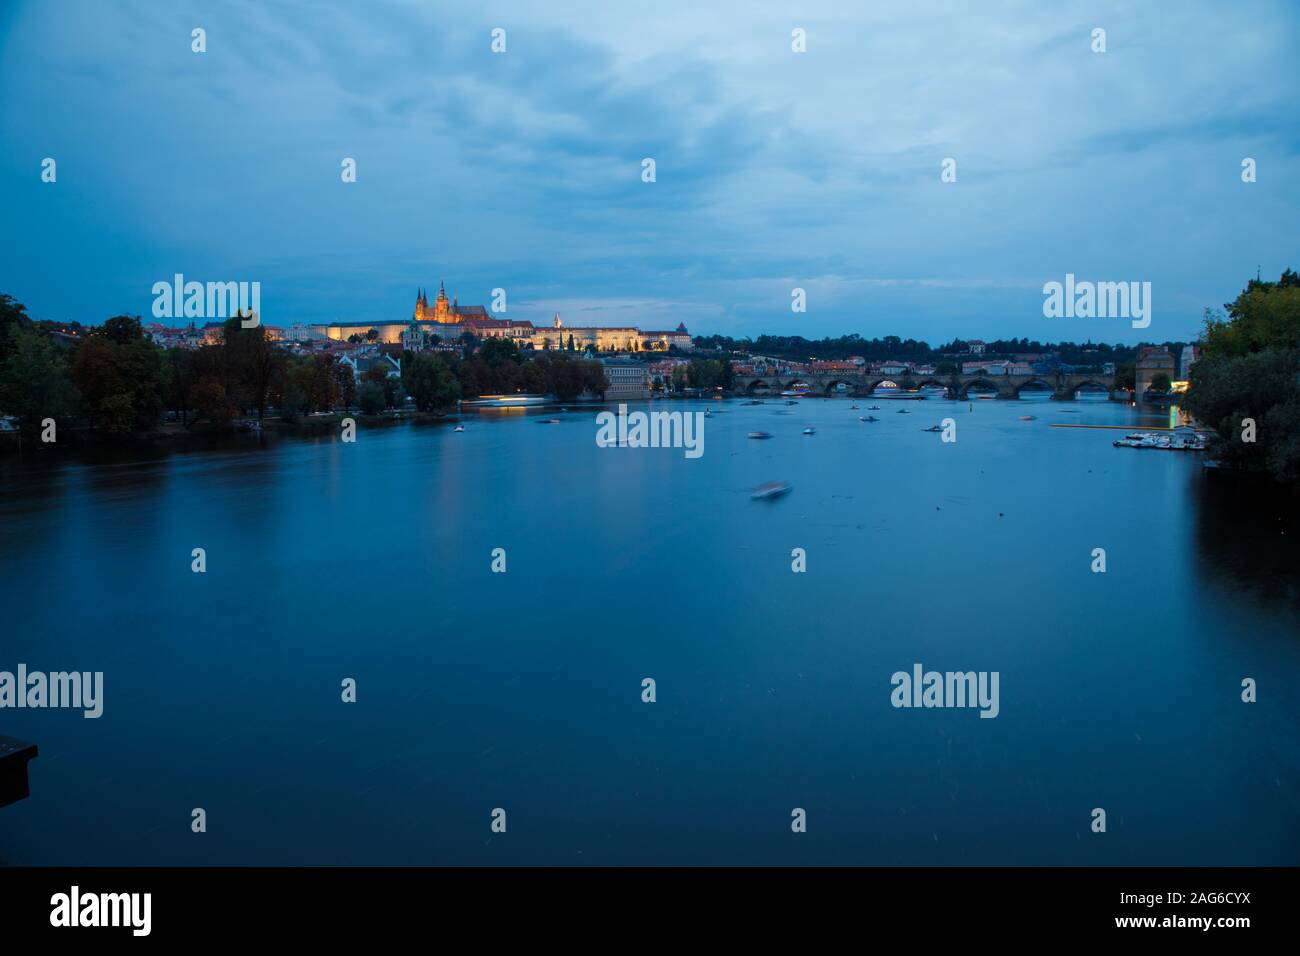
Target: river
522 690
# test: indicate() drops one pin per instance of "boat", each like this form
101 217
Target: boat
933 428
505 401
771 490
759 435
810 431
1028 418
873 408
708 413
459 428
792 402
1163 442
902 411
868 418
854 405
549 421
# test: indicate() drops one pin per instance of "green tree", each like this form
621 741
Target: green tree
1160 382
1250 369
496 351
116 368
370 396
394 396
179 376
13 319
429 381
34 382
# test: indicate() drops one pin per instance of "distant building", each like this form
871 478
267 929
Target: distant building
1191 355
449 320
628 380
976 346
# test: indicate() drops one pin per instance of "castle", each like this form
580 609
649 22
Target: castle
448 320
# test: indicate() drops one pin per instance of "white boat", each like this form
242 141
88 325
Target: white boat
771 490
759 435
810 431
868 418
505 401
459 428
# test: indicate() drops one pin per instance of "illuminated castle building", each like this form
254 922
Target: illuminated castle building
449 320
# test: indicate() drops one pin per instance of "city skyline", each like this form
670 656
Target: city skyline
775 170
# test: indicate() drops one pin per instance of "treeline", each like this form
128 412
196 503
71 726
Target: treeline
499 367
798 348
116 380
1246 385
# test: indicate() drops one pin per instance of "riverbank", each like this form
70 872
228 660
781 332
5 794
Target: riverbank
11 443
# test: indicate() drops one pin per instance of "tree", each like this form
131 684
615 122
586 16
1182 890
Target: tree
116 369
1250 369
430 382
211 401
370 396
394 395
1126 376
178 380
13 319
496 351
1160 382
34 383
345 384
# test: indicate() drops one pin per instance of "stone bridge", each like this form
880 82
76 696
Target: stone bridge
1062 386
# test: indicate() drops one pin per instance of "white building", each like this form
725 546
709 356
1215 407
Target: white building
627 380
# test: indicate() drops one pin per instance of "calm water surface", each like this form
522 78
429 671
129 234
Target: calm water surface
522 690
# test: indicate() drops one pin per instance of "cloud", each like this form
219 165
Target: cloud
523 170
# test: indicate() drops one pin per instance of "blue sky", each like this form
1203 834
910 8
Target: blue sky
774 169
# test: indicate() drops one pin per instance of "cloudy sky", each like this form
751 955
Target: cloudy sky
775 170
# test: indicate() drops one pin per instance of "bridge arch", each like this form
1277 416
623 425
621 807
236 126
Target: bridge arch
932 382
963 390
758 385
1041 383
1090 384
831 383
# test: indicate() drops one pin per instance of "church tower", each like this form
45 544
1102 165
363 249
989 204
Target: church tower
441 307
